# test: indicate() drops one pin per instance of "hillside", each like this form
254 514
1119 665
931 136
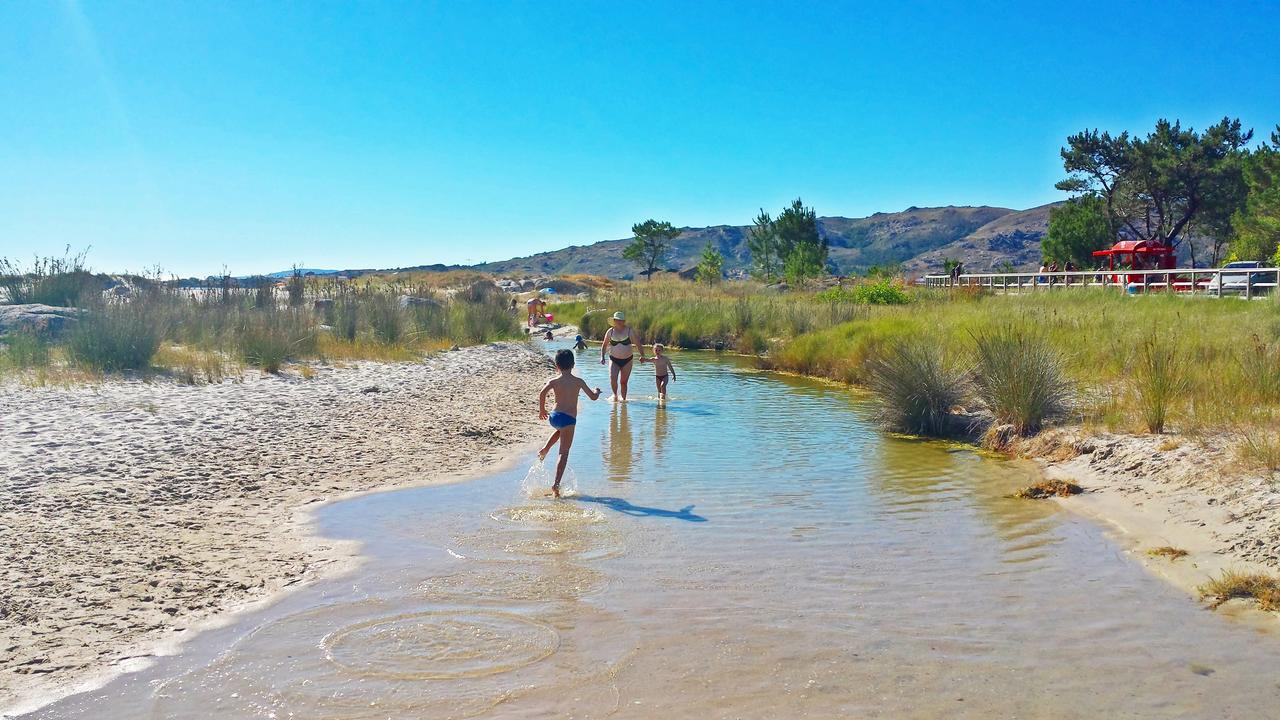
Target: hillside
1013 238
856 243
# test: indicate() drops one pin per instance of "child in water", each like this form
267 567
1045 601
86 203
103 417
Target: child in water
579 343
548 336
565 416
662 368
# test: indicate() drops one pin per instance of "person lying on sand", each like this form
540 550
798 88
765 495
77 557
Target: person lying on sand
565 417
662 368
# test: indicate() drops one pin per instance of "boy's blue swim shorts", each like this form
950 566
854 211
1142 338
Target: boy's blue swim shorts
561 420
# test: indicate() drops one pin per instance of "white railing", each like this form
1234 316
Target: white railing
1241 282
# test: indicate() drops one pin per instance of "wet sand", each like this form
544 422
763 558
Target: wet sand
132 513
1171 491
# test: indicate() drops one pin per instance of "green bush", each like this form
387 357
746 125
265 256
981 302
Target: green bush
876 292
473 323
1020 378
121 335
917 387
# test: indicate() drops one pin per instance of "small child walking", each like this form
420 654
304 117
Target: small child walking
662 368
565 416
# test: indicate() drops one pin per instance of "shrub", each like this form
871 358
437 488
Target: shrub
874 292
1020 378
120 335
917 388
1159 380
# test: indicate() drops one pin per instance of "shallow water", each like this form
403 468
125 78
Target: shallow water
753 549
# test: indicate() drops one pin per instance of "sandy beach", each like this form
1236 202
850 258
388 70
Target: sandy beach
132 512
1162 490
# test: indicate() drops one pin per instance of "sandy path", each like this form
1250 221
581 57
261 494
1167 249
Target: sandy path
130 511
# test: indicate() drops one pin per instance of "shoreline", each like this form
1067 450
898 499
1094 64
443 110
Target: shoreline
199 541
1143 492
1151 491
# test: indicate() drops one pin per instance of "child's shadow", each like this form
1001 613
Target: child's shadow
626 508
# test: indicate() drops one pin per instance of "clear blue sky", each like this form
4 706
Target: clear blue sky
255 135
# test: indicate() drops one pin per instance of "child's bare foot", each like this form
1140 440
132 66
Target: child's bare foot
555 489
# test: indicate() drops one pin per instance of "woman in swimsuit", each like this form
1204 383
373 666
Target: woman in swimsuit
619 344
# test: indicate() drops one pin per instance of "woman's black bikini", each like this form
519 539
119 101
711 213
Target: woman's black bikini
620 362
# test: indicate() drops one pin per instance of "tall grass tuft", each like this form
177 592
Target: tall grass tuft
27 349
268 339
480 322
1159 380
119 335
385 316
63 282
917 387
1260 365
1020 378
344 318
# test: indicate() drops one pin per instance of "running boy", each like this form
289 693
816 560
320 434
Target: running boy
662 367
565 416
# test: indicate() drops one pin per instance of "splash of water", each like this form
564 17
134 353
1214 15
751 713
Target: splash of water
537 482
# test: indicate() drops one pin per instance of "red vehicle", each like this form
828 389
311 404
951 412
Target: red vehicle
1139 255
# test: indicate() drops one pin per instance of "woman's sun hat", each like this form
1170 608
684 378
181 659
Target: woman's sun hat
619 316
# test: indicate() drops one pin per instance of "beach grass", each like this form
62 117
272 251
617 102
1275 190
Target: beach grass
209 335
1128 363
1235 584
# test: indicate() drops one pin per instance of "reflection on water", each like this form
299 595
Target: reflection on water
754 549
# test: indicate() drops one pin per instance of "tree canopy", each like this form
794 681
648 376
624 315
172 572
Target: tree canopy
802 248
762 242
711 266
651 243
1161 186
1076 229
1257 224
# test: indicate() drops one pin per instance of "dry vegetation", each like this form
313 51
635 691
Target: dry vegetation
1049 488
209 334
1168 551
1232 585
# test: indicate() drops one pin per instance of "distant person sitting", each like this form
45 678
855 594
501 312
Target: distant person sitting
548 336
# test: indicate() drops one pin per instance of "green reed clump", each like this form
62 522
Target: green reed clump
474 323
1020 378
63 282
385 316
917 387
27 348
267 339
343 315
119 335
1159 380
429 320
1260 365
